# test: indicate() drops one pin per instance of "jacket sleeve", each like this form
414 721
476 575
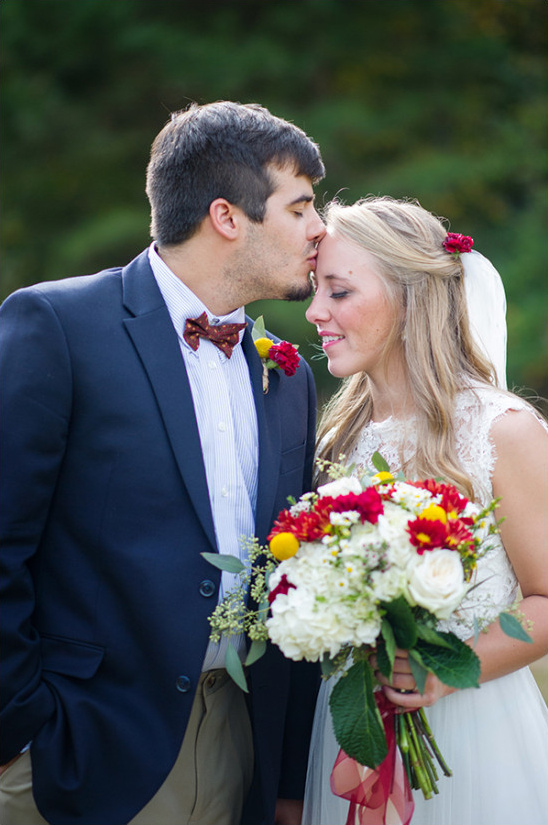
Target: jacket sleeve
35 397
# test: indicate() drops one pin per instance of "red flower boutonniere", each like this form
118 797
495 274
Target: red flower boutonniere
455 243
282 356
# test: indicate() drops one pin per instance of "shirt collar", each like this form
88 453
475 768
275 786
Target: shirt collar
181 301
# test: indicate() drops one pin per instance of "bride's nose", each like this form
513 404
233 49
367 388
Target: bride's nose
317 311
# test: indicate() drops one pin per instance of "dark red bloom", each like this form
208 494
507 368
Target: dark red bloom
283 587
425 534
455 243
368 504
285 356
306 526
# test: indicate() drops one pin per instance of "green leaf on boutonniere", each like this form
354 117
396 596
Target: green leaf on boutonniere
235 669
224 561
456 665
356 719
512 627
258 330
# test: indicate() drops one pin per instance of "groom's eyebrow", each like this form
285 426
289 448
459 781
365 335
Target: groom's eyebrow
302 199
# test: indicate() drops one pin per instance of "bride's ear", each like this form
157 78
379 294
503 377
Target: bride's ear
226 219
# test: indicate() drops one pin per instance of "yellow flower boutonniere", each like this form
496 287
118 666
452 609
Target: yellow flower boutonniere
282 356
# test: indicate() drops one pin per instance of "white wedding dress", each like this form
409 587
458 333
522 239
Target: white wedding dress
494 739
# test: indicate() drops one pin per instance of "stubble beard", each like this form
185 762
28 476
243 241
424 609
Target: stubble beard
298 293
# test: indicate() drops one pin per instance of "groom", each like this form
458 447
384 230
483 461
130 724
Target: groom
133 440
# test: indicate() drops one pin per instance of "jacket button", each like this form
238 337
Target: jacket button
183 684
207 588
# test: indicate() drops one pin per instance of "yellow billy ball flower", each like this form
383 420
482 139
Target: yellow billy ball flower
283 546
263 346
383 476
434 513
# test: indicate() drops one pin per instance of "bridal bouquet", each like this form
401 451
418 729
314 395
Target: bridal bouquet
367 564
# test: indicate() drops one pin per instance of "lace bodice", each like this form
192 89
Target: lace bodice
476 411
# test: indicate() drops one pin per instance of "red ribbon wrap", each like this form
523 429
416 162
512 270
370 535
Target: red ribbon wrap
378 796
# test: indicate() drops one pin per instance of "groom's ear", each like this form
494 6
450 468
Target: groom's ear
226 219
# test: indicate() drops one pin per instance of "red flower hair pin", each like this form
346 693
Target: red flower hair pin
282 356
455 243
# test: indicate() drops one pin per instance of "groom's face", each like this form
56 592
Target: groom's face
281 251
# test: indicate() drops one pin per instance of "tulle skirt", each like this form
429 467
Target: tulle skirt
495 740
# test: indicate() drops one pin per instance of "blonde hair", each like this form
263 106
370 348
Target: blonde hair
425 283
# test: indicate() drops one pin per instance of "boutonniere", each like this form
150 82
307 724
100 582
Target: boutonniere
282 356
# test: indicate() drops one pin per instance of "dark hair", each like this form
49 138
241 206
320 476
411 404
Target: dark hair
220 150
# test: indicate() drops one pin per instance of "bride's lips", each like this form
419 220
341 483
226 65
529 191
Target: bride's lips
329 339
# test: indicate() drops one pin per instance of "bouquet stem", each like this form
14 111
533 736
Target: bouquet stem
418 747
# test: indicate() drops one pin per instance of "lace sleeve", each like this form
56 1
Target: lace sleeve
497 585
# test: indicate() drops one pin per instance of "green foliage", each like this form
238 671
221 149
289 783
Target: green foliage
455 664
512 627
435 100
356 719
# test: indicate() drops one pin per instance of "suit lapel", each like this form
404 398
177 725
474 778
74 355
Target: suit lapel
269 426
156 342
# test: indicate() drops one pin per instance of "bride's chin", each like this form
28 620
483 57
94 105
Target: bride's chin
337 371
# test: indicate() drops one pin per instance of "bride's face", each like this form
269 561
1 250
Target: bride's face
350 309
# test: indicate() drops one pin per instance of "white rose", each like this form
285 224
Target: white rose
436 582
340 487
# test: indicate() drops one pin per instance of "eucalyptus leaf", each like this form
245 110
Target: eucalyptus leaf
256 650
476 631
512 627
235 669
356 719
258 330
224 561
264 607
379 463
456 666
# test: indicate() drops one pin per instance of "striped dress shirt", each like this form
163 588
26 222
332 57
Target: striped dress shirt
227 423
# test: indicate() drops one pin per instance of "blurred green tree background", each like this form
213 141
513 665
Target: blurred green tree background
440 100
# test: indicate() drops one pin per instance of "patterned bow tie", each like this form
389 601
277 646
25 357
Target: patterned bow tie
224 336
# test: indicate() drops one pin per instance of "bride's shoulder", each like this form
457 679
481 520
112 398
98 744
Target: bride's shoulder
482 406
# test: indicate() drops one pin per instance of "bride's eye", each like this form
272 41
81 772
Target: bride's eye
342 294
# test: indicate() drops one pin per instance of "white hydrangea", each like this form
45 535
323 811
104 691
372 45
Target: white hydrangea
341 487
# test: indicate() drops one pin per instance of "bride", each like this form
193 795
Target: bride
417 329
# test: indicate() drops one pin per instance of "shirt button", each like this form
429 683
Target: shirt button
221 426
224 492
183 684
212 365
207 588
215 320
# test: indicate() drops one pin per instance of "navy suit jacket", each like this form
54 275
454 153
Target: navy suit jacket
104 516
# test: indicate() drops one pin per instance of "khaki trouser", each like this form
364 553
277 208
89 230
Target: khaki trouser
208 783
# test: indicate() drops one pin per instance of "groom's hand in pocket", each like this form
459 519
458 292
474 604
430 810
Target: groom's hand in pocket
288 812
